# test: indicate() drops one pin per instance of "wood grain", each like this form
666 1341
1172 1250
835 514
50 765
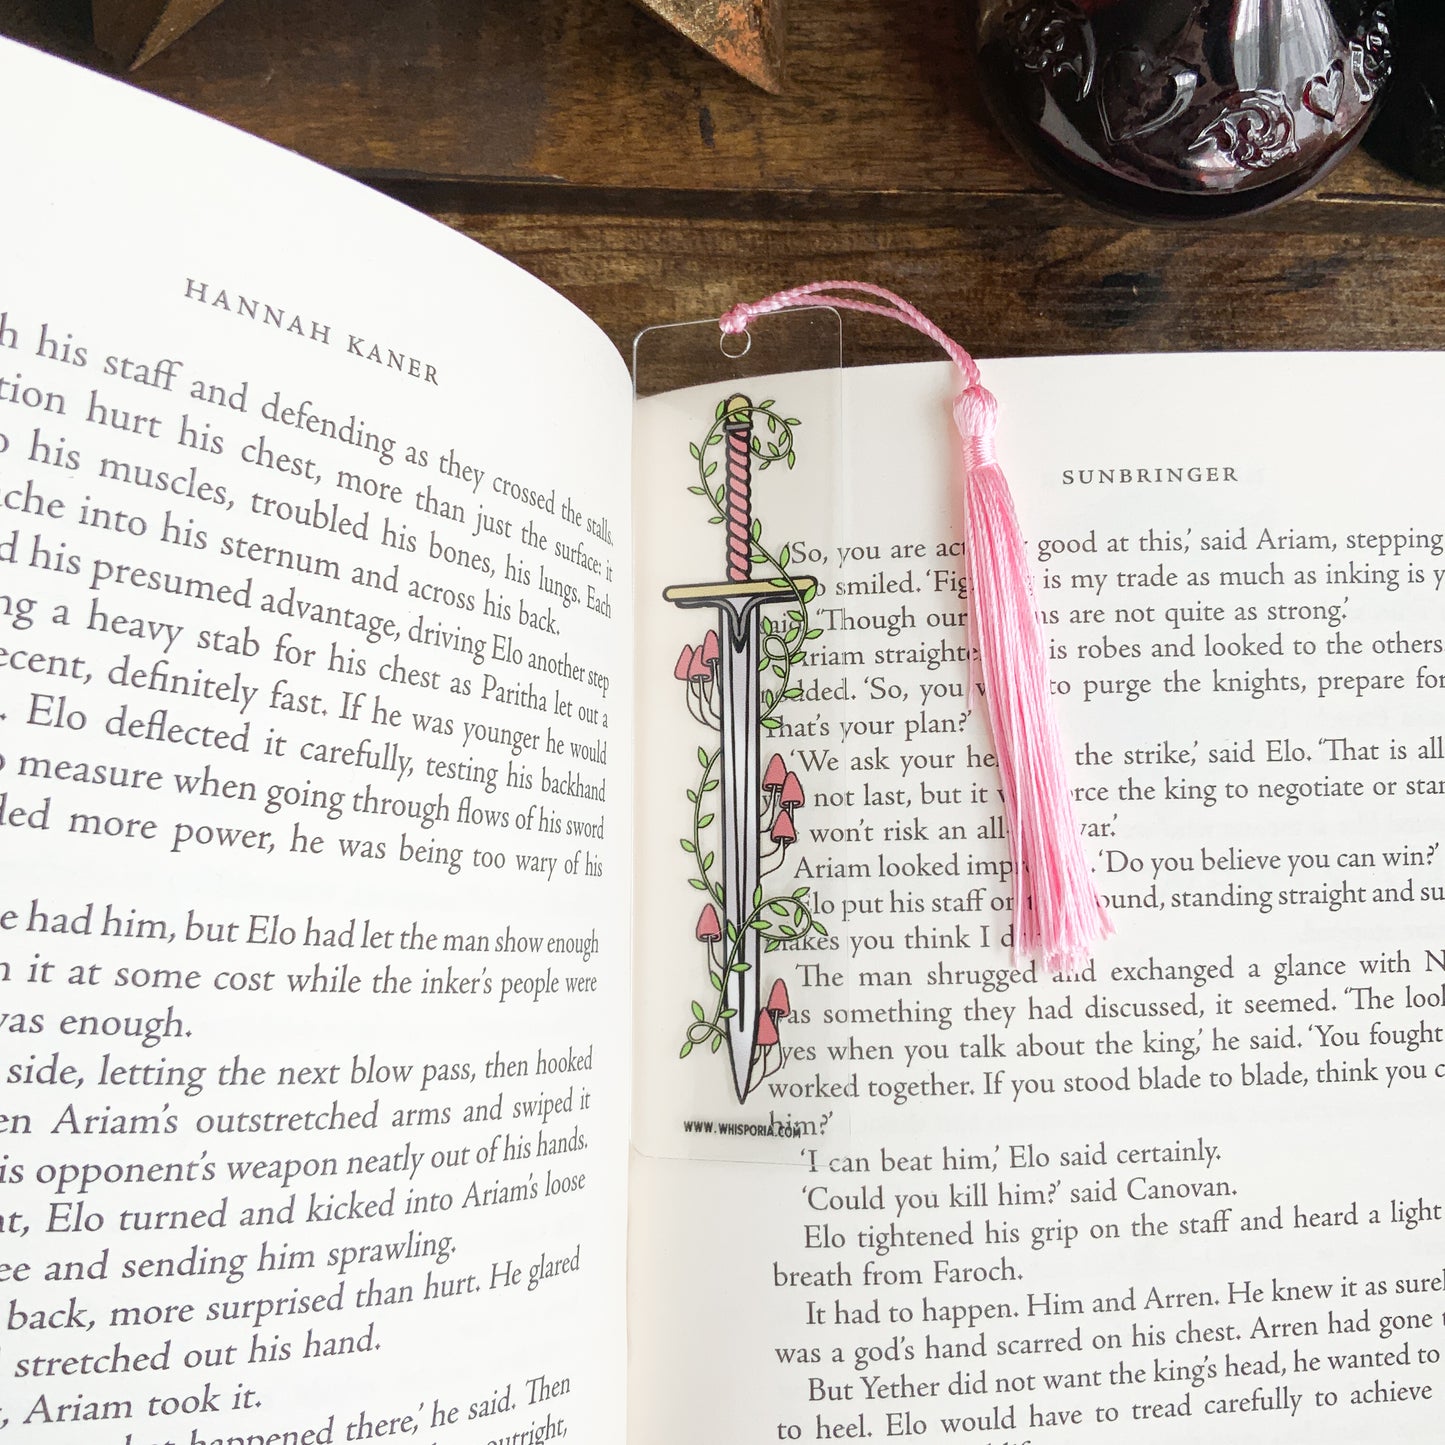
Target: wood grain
1002 290
880 118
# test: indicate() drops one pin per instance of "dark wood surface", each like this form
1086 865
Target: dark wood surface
602 152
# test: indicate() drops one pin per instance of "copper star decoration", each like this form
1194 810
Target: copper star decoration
745 35
134 31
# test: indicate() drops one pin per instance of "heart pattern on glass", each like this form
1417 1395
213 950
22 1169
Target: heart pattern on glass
1323 93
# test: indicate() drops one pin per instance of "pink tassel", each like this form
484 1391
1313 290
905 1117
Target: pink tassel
1058 914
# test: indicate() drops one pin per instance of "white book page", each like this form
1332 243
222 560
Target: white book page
1190 1193
314 803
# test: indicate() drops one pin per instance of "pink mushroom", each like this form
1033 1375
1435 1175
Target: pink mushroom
709 650
792 794
683 670
783 831
777 1004
767 1031
709 930
777 770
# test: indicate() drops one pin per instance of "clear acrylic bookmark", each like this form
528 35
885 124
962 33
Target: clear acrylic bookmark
737 515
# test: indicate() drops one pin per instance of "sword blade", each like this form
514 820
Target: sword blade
739 611
741 809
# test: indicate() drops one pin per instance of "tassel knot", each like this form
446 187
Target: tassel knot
975 414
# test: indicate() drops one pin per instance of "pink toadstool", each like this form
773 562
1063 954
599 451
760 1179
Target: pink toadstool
777 1004
777 770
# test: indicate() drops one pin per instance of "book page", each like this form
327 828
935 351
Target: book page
314 803
1188 1192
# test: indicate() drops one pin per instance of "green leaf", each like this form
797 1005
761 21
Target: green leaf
792 461
704 821
728 1013
784 556
716 1042
793 421
800 892
714 521
770 944
695 450
771 724
687 845
793 692
710 786
685 1050
809 592
757 895
758 557
692 795
707 862
779 908
761 924
732 931
789 931
702 757
741 967
697 882
816 632
716 980
721 408
697 491
711 468
697 1012
818 927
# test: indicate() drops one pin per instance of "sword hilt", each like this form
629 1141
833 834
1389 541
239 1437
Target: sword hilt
737 497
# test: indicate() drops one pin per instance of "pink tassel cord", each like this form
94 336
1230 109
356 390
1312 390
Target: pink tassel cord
1058 915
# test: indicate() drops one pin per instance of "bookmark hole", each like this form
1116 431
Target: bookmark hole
735 344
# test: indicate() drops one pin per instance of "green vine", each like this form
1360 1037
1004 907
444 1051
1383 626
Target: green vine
798 919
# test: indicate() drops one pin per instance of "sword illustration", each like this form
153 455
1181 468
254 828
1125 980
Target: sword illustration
738 602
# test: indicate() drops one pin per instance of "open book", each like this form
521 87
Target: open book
349 1094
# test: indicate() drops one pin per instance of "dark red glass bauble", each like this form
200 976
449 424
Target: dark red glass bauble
1184 109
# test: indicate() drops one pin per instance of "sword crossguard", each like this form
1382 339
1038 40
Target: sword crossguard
738 599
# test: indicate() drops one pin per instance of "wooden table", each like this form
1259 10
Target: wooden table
600 151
